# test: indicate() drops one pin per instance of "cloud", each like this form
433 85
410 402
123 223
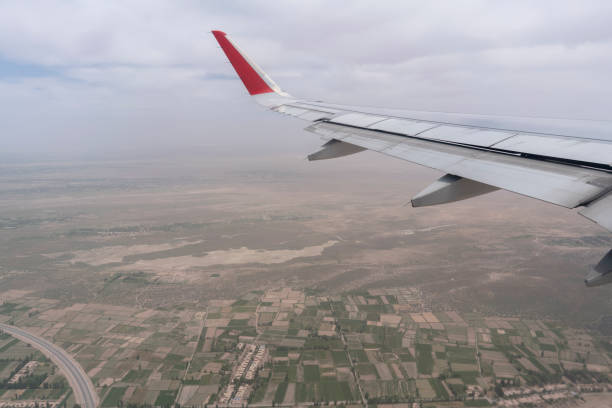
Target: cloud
11 69
83 75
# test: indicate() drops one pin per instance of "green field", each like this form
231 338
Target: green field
352 325
340 358
438 388
463 355
3 364
312 373
424 360
137 375
165 398
406 356
334 391
547 347
304 392
259 392
324 391
126 329
366 368
238 322
113 397
292 373
279 395
400 389
457 389
358 356
280 352
477 403
8 345
469 377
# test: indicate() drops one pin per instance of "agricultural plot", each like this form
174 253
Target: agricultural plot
383 345
424 358
425 389
113 397
26 375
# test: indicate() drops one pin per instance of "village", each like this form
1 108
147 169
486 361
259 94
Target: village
289 347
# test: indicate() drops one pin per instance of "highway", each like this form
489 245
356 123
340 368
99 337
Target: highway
84 391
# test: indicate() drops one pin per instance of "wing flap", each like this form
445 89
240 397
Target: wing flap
567 186
466 135
584 150
600 211
358 119
403 126
308 114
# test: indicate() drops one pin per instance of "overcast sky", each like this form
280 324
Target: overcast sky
82 77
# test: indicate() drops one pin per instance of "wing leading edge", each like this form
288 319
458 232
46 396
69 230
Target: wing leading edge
478 154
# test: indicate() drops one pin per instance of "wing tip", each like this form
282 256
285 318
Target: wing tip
247 71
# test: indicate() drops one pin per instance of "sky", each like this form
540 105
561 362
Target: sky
84 78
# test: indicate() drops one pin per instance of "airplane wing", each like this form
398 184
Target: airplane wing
538 158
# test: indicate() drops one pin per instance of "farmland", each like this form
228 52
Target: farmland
379 345
28 377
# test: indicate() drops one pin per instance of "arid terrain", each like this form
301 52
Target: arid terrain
167 278
180 230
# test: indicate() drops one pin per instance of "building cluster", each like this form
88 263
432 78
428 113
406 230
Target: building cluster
533 399
474 391
520 391
24 371
227 395
252 358
29 404
241 394
258 359
597 387
547 394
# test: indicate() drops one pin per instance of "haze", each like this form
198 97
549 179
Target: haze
90 78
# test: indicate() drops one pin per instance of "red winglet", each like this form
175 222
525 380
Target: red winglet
253 82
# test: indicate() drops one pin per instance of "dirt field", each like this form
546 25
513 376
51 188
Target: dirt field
602 400
169 232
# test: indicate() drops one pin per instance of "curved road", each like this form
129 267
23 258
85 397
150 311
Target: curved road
84 391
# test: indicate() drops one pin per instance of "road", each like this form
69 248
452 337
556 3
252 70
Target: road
195 350
84 391
364 402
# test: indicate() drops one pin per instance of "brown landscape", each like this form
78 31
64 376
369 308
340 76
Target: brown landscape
162 277
166 233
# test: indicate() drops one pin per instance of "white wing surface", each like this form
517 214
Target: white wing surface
563 162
